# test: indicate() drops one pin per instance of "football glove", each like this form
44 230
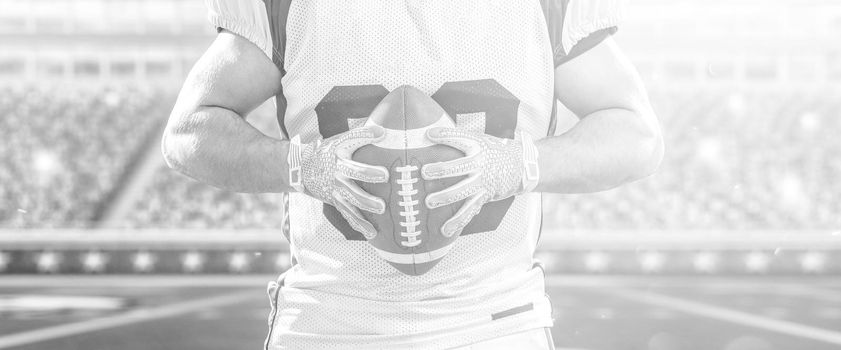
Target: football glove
325 171
496 168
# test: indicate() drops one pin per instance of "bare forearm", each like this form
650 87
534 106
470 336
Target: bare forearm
218 147
605 149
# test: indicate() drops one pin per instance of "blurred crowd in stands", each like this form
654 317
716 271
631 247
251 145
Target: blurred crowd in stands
64 149
175 201
734 160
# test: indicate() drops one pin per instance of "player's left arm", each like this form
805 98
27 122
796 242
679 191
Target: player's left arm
617 139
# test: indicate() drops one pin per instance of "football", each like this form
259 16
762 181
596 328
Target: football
408 234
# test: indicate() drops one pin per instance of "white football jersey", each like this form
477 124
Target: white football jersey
490 65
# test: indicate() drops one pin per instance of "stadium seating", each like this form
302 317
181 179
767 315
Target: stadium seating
734 160
64 149
175 201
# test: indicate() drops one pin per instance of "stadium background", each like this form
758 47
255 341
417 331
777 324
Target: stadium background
747 93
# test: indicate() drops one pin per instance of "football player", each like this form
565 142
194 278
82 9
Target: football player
497 68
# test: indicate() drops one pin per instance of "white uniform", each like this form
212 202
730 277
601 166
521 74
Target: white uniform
490 65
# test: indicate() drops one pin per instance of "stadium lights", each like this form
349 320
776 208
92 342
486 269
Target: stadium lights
652 261
47 262
596 261
143 262
192 261
705 262
94 262
814 262
757 262
238 262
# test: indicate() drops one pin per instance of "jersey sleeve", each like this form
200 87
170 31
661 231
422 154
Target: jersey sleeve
575 26
247 18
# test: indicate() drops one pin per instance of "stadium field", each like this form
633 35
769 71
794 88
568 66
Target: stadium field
591 312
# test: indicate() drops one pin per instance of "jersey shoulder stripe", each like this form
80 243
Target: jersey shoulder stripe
261 22
577 25
246 18
278 13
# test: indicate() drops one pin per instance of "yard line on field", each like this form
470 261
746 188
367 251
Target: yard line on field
124 319
726 315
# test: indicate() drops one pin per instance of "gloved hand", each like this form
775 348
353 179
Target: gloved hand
325 171
496 168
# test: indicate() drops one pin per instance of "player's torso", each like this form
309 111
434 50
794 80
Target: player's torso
341 59
488 63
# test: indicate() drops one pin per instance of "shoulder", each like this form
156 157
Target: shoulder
577 25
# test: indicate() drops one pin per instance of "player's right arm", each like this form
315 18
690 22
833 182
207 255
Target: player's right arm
207 137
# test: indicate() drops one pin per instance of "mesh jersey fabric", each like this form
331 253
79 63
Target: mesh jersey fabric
490 64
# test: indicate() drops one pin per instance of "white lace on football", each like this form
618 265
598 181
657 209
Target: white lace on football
409 213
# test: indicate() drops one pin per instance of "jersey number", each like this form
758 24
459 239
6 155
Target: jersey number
486 96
